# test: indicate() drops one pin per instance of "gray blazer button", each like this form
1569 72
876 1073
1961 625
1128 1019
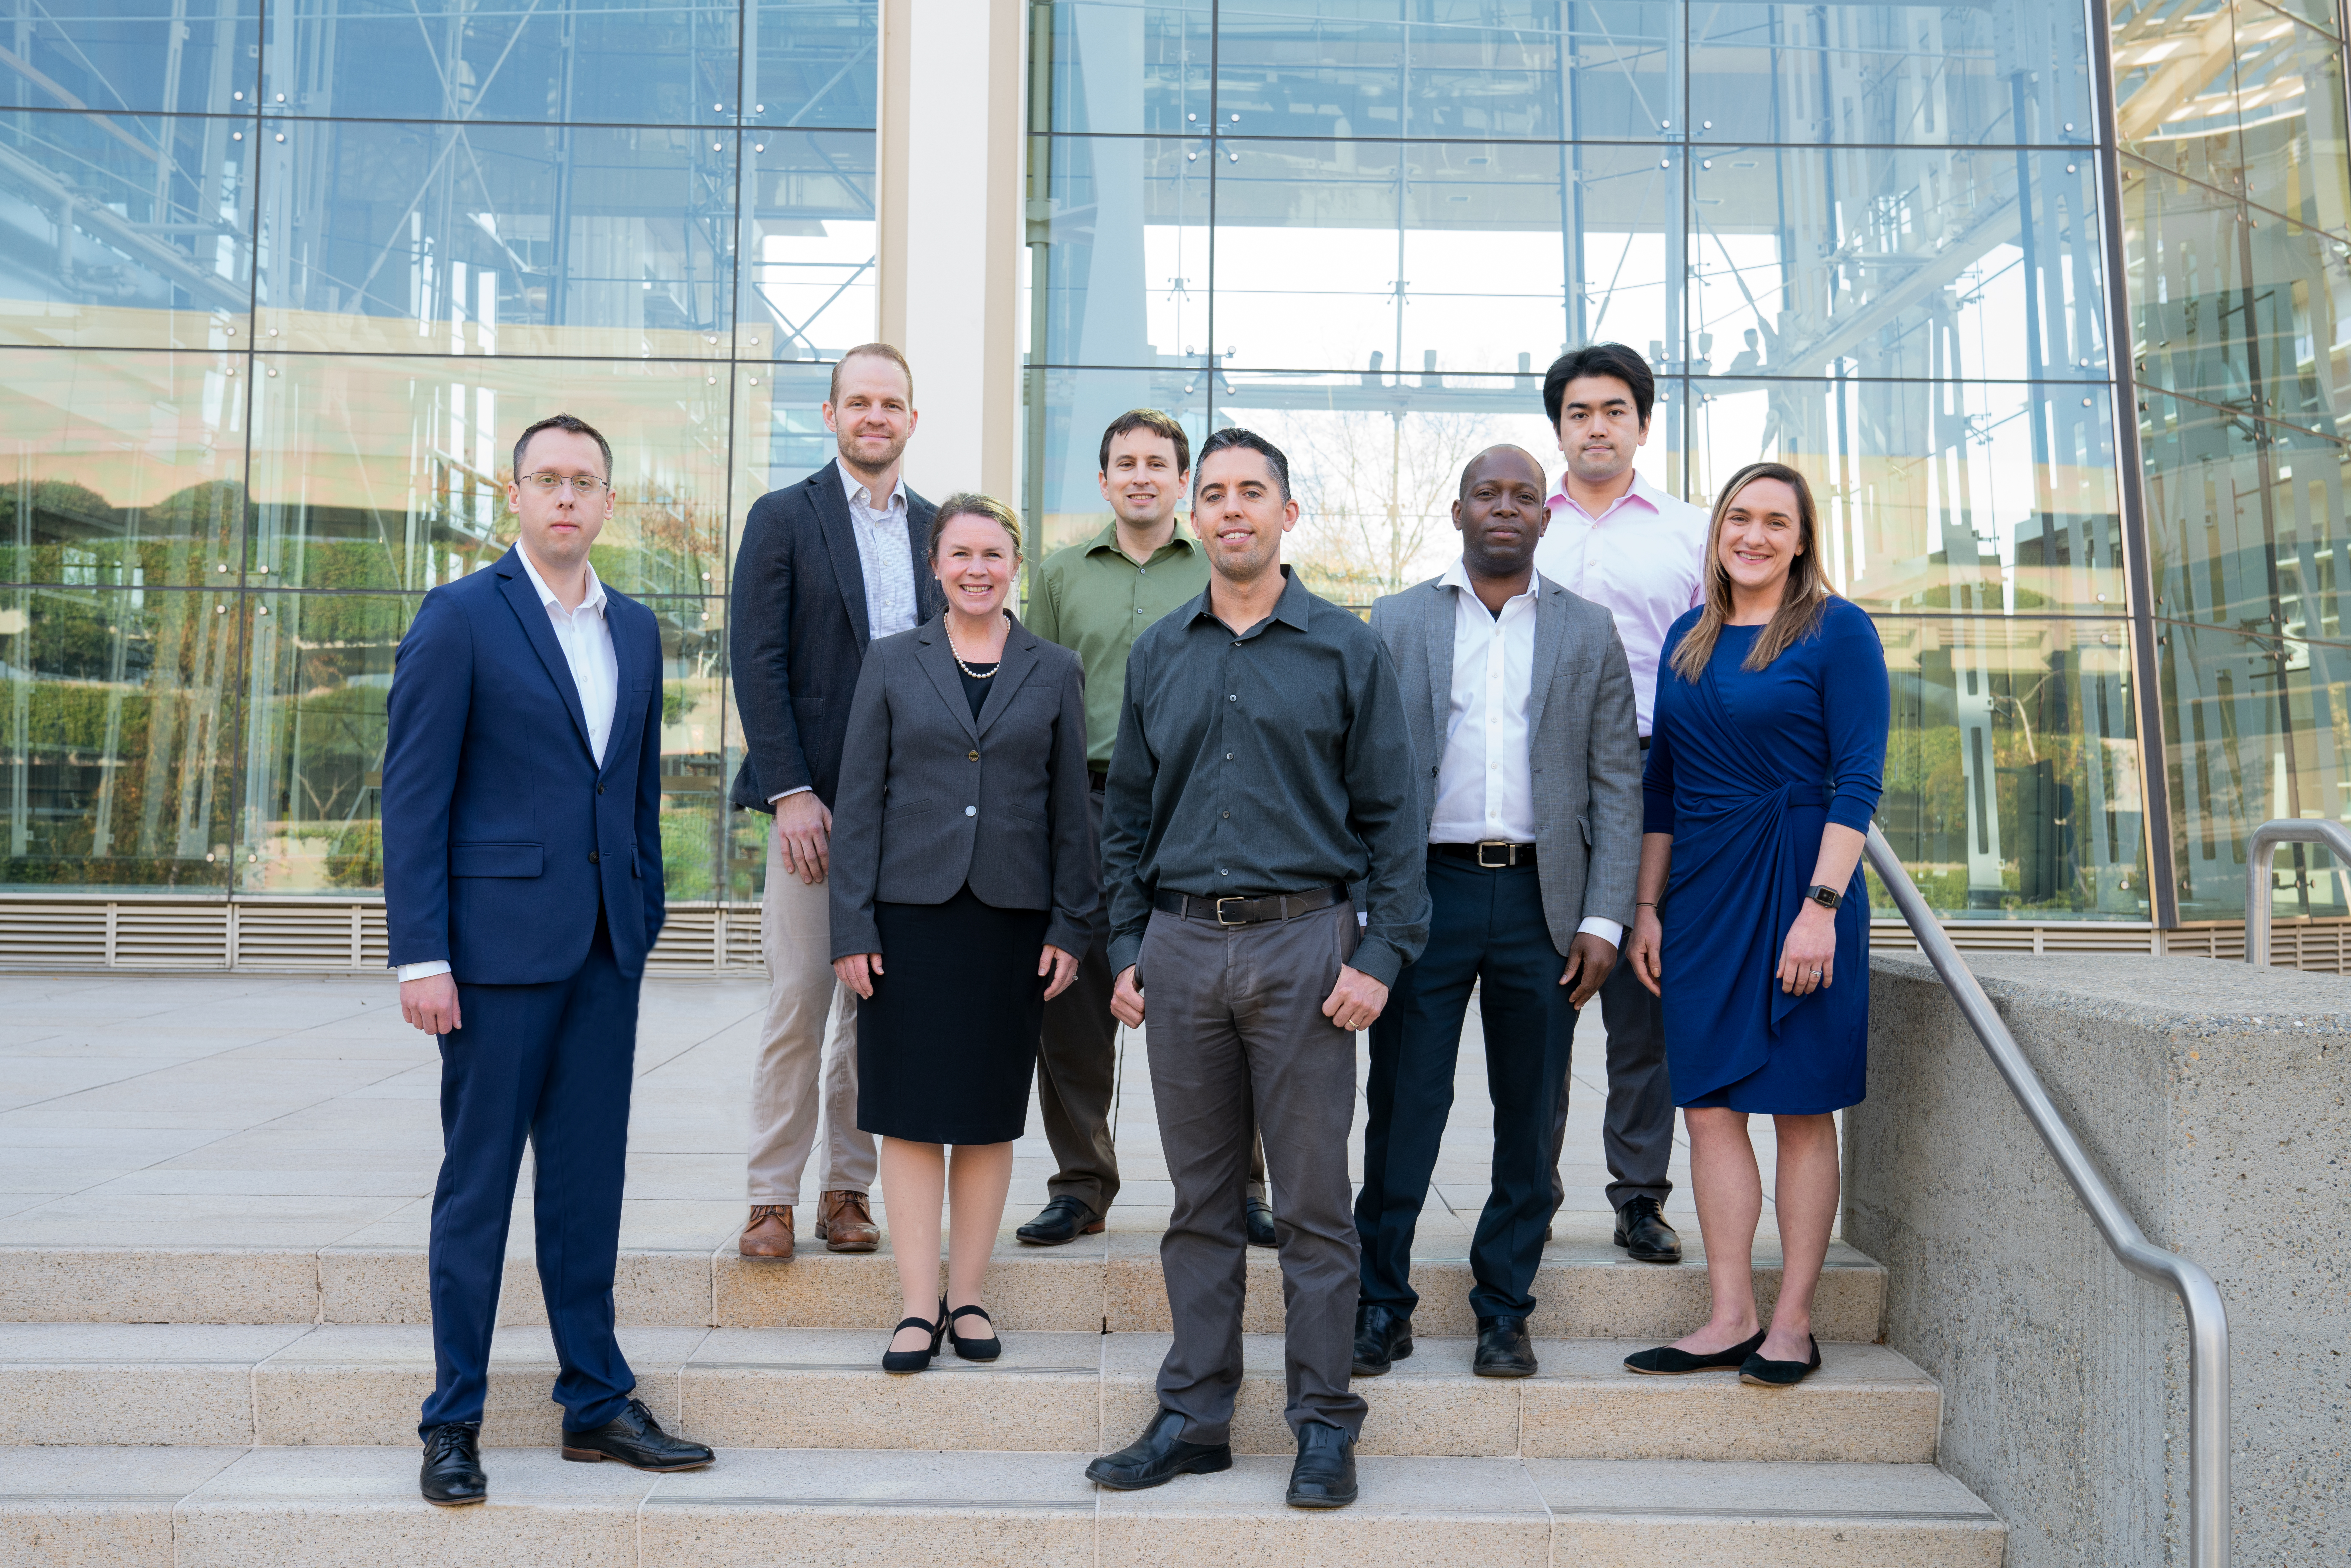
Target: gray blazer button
971 810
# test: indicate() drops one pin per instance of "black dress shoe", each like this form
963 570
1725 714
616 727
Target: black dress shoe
1667 1361
1383 1338
1063 1221
1260 1215
1503 1348
635 1439
1642 1231
1324 1475
451 1475
1765 1373
1158 1457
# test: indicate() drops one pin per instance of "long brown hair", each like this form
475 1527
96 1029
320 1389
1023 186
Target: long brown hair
1806 594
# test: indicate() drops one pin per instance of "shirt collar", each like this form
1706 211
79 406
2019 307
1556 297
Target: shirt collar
595 599
1458 576
1108 541
849 484
1642 494
1292 609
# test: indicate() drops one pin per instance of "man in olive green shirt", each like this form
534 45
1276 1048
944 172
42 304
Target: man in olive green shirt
1093 597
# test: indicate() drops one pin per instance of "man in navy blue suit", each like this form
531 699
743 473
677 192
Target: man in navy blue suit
523 888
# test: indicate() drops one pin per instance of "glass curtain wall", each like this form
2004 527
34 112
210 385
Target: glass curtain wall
279 287
1862 239
2237 220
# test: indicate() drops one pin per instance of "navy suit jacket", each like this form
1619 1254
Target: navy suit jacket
798 632
501 835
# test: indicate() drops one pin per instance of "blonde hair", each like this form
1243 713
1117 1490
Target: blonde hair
1801 601
972 504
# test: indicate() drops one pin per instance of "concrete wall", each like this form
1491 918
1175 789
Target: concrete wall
2213 1099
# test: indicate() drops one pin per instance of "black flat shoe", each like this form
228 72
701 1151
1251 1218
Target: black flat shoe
1383 1338
1063 1221
1259 1216
987 1349
1642 1231
1503 1349
452 1473
1765 1373
1158 1457
916 1359
1324 1475
1667 1361
635 1439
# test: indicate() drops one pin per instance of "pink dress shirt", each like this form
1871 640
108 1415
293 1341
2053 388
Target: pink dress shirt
1639 561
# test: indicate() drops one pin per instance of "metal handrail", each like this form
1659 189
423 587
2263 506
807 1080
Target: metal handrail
2266 838
2207 1317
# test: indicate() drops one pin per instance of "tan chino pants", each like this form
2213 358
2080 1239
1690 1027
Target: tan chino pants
808 1047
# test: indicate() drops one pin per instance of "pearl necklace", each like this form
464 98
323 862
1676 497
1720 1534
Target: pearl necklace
954 654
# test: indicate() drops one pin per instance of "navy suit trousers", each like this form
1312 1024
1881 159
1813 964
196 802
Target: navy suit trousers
551 1065
1486 929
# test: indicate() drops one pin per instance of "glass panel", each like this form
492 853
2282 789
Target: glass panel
2319 13
120 469
2190 303
122 54
1444 256
119 736
2300 292
1341 68
2175 85
497 239
2210 532
602 60
1974 498
811 62
322 665
1127 67
2292 109
1065 436
1126 251
1891 74
117 232
391 472
779 434
807 268
1897 262
2012 768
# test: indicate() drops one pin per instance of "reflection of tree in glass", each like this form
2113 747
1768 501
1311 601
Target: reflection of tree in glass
1374 494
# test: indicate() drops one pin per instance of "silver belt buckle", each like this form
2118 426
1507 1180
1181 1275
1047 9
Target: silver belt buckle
1510 854
1234 898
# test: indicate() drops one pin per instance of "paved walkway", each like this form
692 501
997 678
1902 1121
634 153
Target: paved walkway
266 1111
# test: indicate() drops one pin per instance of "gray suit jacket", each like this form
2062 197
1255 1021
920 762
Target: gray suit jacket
1585 743
930 798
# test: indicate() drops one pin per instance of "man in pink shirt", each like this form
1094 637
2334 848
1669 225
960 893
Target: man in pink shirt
1619 541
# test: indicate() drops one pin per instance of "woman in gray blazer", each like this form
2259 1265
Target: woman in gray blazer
963 879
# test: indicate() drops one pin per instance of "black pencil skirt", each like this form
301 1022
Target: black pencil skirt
946 1046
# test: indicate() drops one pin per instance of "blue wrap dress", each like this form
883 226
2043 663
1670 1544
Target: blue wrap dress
1746 768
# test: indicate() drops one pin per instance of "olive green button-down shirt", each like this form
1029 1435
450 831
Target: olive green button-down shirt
1093 599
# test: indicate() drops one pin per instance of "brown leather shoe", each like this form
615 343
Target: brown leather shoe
844 1224
769 1233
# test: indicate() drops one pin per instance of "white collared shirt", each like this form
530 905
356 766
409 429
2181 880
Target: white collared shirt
885 556
1485 780
586 639
1642 560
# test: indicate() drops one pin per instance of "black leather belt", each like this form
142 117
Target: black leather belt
1256 910
1097 780
1493 855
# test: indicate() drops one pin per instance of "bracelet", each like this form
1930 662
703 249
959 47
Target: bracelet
1645 903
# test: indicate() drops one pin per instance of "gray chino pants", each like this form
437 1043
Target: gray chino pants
1234 1020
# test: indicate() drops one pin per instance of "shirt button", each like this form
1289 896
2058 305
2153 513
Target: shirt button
1224 873
1229 757
1232 696
1224 813
971 810
975 756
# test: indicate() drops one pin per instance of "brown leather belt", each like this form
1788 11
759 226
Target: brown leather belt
1493 855
1253 910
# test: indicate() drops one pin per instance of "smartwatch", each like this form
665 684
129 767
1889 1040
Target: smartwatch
1824 896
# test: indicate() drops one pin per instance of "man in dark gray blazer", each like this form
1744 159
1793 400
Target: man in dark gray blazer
825 567
1520 705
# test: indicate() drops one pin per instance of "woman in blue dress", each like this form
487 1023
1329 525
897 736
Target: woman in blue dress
1767 757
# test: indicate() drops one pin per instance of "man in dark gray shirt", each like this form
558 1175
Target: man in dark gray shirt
1262 765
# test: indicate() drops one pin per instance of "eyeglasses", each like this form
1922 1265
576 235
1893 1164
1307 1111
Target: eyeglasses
586 486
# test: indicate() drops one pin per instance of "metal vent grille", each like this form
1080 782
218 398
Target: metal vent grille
57 935
164 936
689 943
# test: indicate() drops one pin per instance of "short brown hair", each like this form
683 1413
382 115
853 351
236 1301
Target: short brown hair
870 350
571 423
972 504
1158 424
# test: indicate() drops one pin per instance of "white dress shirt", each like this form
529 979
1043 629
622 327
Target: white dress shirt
885 559
586 639
1641 560
1485 780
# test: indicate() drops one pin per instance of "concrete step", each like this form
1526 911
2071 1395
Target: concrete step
1586 1289
823 1389
326 1507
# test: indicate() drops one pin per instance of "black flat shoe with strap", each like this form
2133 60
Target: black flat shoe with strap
1667 1361
1765 1373
987 1349
916 1359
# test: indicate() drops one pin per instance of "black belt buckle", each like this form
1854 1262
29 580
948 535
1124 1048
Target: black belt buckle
1510 855
1232 899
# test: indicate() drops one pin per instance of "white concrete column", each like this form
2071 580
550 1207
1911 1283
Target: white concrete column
950 253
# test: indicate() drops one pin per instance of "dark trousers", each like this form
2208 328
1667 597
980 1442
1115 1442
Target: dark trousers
1486 929
1234 1017
551 1065
1638 1135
